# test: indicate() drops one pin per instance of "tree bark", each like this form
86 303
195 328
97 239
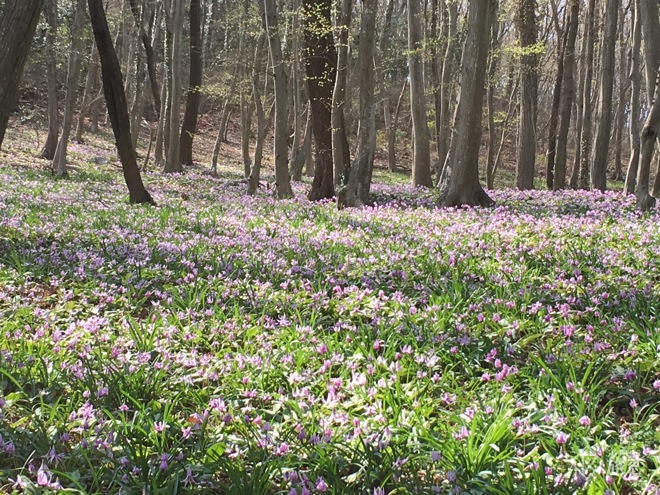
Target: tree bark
281 147
356 192
173 160
527 33
447 92
651 35
189 127
149 52
585 143
421 170
17 26
72 79
113 88
48 151
340 152
566 99
608 54
321 70
635 93
461 178
88 95
554 112
619 115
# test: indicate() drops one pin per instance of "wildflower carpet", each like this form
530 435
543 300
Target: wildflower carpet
226 344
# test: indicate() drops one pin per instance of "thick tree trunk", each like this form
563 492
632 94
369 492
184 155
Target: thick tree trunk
113 88
173 160
421 170
526 156
356 192
566 100
72 79
635 93
48 151
321 70
189 127
608 55
281 140
17 26
461 177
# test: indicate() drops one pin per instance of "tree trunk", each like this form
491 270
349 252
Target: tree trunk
608 59
255 171
48 151
527 33
585 144
113 88
421 170
447 92
72 79
17 26
490 97
281 140
461 177
189 127
566 99
619 116
340 152
554 113
149 52
579 110
89 95
651 34
321 70
173 161
390 130
356 192
635 82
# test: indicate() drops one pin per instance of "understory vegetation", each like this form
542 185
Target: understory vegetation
220 343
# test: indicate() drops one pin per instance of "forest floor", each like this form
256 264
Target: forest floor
220 343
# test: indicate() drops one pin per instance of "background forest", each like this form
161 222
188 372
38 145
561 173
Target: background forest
305 292
566 97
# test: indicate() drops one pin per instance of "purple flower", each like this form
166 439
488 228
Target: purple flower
561 438
321 485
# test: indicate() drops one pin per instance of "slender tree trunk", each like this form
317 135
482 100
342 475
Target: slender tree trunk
113 88
579 110
89 96
321 70
448 69
18 23
385 42
356 192
566 100
585 144
48 151
281 148
635 82
173 161
490 95
340 151
421 173
149 52
554 113
189 127
461 176
608 59
59 160
527 33
224 119
619 116
255 171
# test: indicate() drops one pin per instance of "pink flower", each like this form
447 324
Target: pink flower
585 421
321 485
561 438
